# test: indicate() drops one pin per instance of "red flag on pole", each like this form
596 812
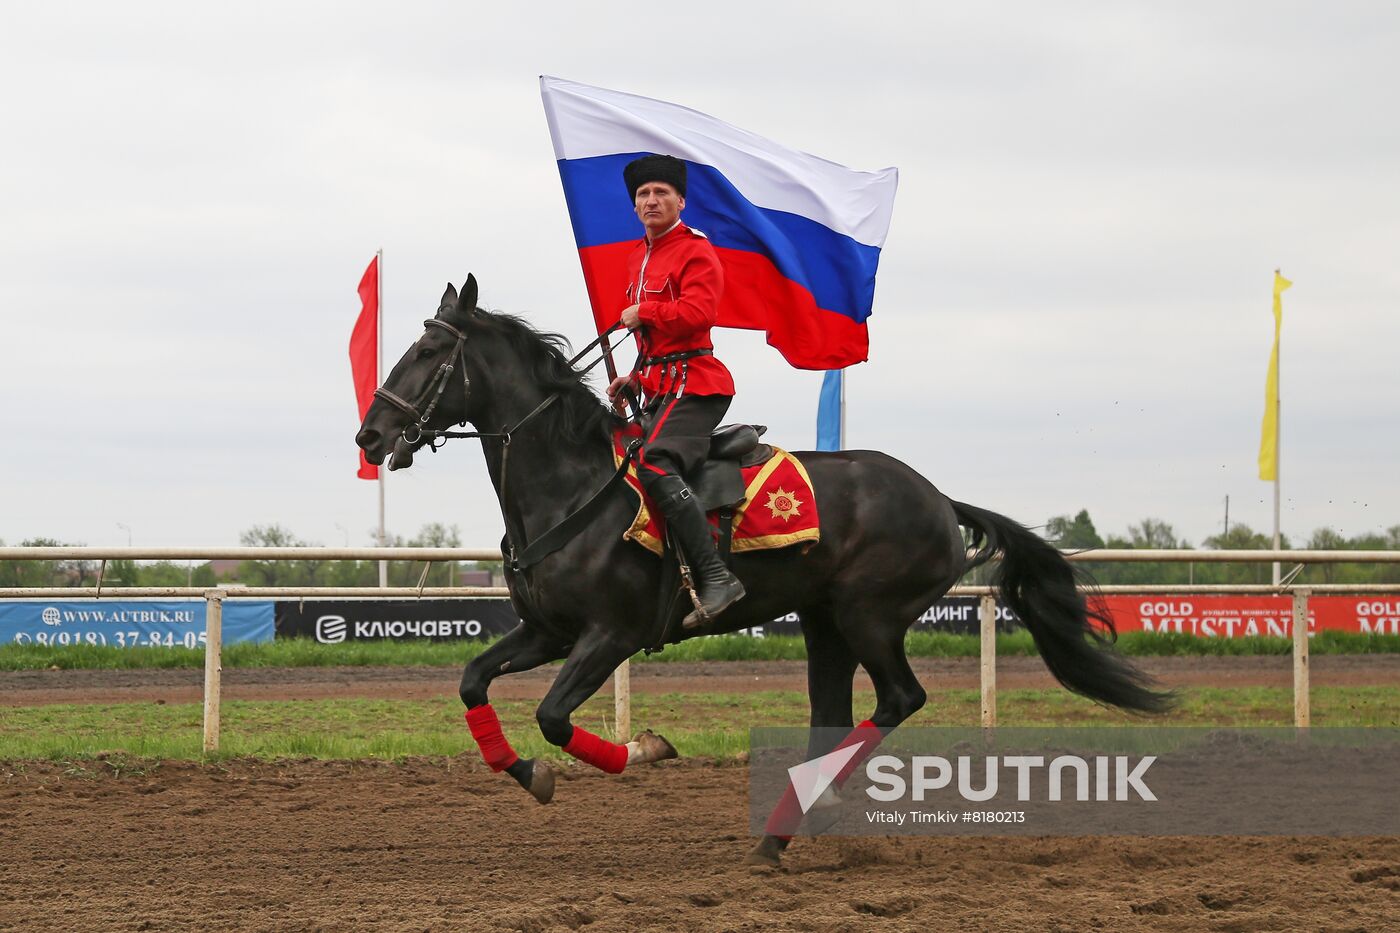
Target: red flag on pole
364 353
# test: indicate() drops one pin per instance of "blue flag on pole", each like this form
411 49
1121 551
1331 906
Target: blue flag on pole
829 411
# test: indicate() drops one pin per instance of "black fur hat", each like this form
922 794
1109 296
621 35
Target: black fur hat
664 168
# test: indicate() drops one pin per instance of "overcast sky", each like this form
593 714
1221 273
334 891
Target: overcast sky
1073 305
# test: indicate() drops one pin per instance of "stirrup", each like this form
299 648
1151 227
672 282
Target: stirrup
702 617
698 617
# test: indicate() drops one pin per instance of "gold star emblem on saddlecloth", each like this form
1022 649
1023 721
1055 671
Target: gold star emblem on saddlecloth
783 504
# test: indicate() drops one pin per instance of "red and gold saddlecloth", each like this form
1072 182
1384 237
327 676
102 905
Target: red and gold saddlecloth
779 507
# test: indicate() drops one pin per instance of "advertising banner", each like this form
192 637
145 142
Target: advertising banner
1203 616
959 615
152 624
333 621
1234 616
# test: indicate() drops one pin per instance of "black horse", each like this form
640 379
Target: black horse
890 547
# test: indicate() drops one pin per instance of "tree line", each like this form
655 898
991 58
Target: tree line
358 572
34 573
1078 533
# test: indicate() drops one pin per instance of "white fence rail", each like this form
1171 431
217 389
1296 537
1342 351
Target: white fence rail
215 596
1138 555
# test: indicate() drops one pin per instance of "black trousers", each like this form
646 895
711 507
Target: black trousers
677 434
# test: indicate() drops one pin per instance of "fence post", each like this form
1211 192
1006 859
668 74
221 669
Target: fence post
213 666
622 701
989 661
1302 708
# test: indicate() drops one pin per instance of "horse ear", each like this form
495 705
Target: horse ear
467 302
449 297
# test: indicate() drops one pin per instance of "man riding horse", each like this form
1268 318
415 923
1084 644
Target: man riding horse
891 543
675 286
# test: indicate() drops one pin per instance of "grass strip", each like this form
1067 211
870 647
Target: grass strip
304 652
709 725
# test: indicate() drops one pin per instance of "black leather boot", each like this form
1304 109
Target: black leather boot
716 588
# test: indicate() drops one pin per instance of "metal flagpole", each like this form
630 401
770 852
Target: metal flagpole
378 375
843 406
1278 433
1277 408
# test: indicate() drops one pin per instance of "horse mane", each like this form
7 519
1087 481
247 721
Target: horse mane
579 415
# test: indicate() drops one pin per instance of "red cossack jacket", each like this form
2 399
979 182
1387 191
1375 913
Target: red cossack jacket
677 281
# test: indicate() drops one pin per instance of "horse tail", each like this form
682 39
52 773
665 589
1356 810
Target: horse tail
1038 584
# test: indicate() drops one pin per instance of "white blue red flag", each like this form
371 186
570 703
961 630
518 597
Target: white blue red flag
799 237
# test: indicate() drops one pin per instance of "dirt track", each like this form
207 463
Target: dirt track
449 846
37 688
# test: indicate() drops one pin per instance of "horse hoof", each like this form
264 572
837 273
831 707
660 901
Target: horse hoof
648 747
541 782
768 853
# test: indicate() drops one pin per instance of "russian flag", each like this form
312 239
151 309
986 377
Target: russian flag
799 237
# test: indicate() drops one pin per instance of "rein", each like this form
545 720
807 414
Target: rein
435 439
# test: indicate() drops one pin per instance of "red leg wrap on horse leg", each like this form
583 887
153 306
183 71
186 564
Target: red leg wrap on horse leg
600 753
787 815
866 734
486 729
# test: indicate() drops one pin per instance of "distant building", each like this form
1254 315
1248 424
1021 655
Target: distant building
474 578
225 571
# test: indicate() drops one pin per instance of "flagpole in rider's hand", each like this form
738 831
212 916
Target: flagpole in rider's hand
378 376
628 395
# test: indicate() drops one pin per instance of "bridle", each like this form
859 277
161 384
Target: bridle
417 432
557 536
435 388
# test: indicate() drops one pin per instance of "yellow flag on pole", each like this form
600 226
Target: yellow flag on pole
1268 440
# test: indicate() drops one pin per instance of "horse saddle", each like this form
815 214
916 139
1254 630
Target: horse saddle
718 484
